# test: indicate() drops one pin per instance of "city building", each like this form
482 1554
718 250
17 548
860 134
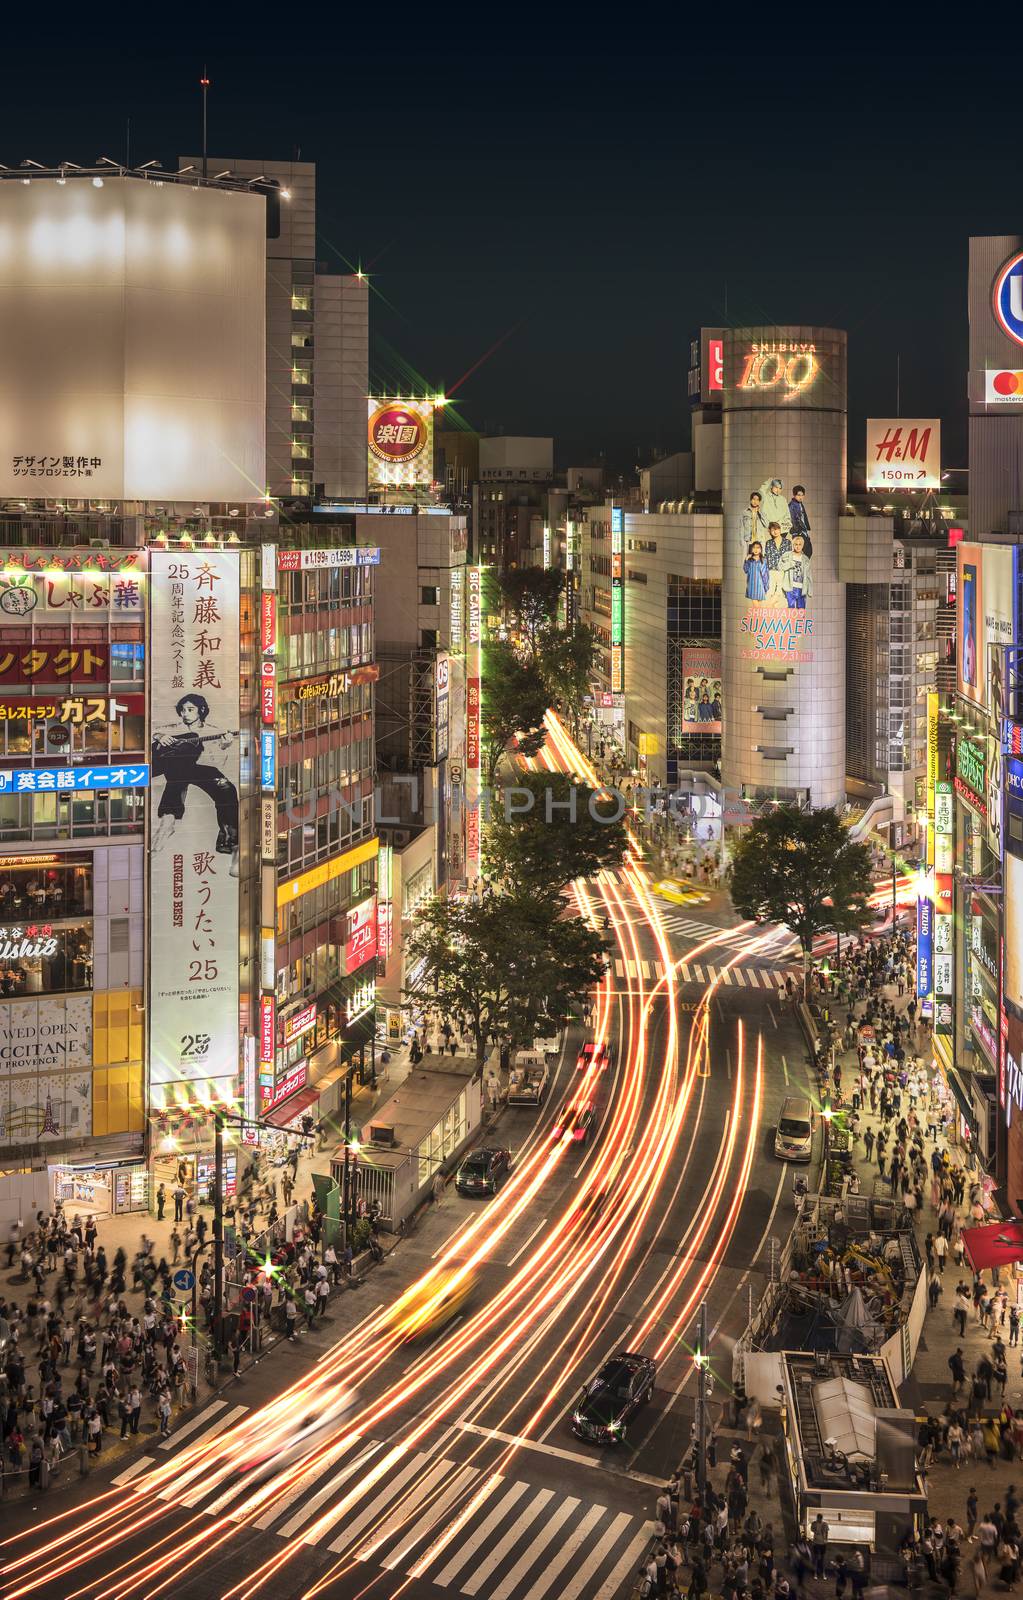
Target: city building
421 614
317 343
509 502
186 801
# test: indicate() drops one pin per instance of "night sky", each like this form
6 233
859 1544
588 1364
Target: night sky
582 202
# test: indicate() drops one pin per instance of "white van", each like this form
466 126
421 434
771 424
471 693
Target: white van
793 1140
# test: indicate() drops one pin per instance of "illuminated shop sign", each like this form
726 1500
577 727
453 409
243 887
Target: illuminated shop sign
472 725
57 596
924 929
268 691
942 954
73 561
266 1030
74 710
475 605
326 872
42 780
617 600
971 771
69 662
312 560
268 621
787 369
288 1085
299 1023
903 454
457 608
1007 298
399 441
268 758
360 934
1003 387
334 684
27 940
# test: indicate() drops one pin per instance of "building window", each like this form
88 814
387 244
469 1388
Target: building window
429 595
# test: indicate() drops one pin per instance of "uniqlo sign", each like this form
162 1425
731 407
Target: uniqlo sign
361 935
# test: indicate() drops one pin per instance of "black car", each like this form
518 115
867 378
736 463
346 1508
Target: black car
482 1171
613 1396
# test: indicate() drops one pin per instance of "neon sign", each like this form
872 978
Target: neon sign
789 368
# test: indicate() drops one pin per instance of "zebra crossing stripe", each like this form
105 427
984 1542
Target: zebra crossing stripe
308 1511
190 1427
628 1564
387 1494
133 1471
435 1513
579 1585
543 1580
501 1548
305 1482
510 1588
464 1555
394 1523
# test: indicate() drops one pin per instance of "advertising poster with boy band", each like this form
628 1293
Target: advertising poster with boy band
777 562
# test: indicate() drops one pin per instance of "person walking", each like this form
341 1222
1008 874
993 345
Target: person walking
940 1248
819 1544
161 1201
957 1367
164 1409
971 1515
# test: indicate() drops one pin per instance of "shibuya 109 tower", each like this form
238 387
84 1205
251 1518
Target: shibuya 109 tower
783 607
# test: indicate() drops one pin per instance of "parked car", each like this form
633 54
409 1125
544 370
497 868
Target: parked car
613 1396
482 1171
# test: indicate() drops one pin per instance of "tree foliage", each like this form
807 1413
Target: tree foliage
505 968
546 829
531 596
800 868
566 658
514 701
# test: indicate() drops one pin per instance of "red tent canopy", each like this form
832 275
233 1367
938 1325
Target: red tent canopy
994 1244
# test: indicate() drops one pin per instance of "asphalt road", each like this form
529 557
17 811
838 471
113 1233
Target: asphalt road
454 1469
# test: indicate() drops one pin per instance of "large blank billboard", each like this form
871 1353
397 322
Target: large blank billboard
133 324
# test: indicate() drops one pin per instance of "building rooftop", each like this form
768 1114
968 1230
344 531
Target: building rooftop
417 1107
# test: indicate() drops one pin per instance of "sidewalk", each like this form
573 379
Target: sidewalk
928 1390
125 1232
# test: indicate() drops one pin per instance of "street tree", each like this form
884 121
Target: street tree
504 968
514 700
801 869
531 596
566 658
546 829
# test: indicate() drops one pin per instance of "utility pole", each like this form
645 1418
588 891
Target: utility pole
204 84
346 1190
218 1230
702 1375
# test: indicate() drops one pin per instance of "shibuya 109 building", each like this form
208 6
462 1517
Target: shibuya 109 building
783 606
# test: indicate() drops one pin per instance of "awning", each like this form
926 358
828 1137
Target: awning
959 1090
293 1107
994 1244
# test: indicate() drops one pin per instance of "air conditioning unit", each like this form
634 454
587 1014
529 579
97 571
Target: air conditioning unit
381 1133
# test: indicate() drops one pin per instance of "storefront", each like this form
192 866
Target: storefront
100 1190
45 887
45 958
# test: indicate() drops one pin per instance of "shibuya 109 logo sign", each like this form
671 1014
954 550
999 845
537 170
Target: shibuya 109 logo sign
400 441
776 551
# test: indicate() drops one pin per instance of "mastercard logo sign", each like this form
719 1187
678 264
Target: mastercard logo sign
1003 387
397 433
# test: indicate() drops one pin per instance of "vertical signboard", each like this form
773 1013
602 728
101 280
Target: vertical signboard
924 934
932 748
473 726
194 716
617 600
941 937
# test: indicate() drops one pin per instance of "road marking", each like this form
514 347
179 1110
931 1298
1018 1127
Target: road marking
728 1064
465 1553
306 1512
541 1224
530 1444
629 1563
305 1482
736 976
785 1071
510 1587
379 1503
190 1427
527 1515
426 1523
770 1013
395 1521
133 1471
755 1257
587 1571
543 1580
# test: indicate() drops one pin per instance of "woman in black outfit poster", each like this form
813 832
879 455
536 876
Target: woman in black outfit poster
180 756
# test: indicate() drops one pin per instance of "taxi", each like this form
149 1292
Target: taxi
681 892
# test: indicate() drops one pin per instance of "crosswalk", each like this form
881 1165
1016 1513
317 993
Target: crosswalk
468 1530
737 977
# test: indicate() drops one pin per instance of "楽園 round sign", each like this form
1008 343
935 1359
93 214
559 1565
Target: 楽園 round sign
397 432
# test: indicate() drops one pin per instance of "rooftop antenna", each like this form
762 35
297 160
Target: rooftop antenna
204 84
